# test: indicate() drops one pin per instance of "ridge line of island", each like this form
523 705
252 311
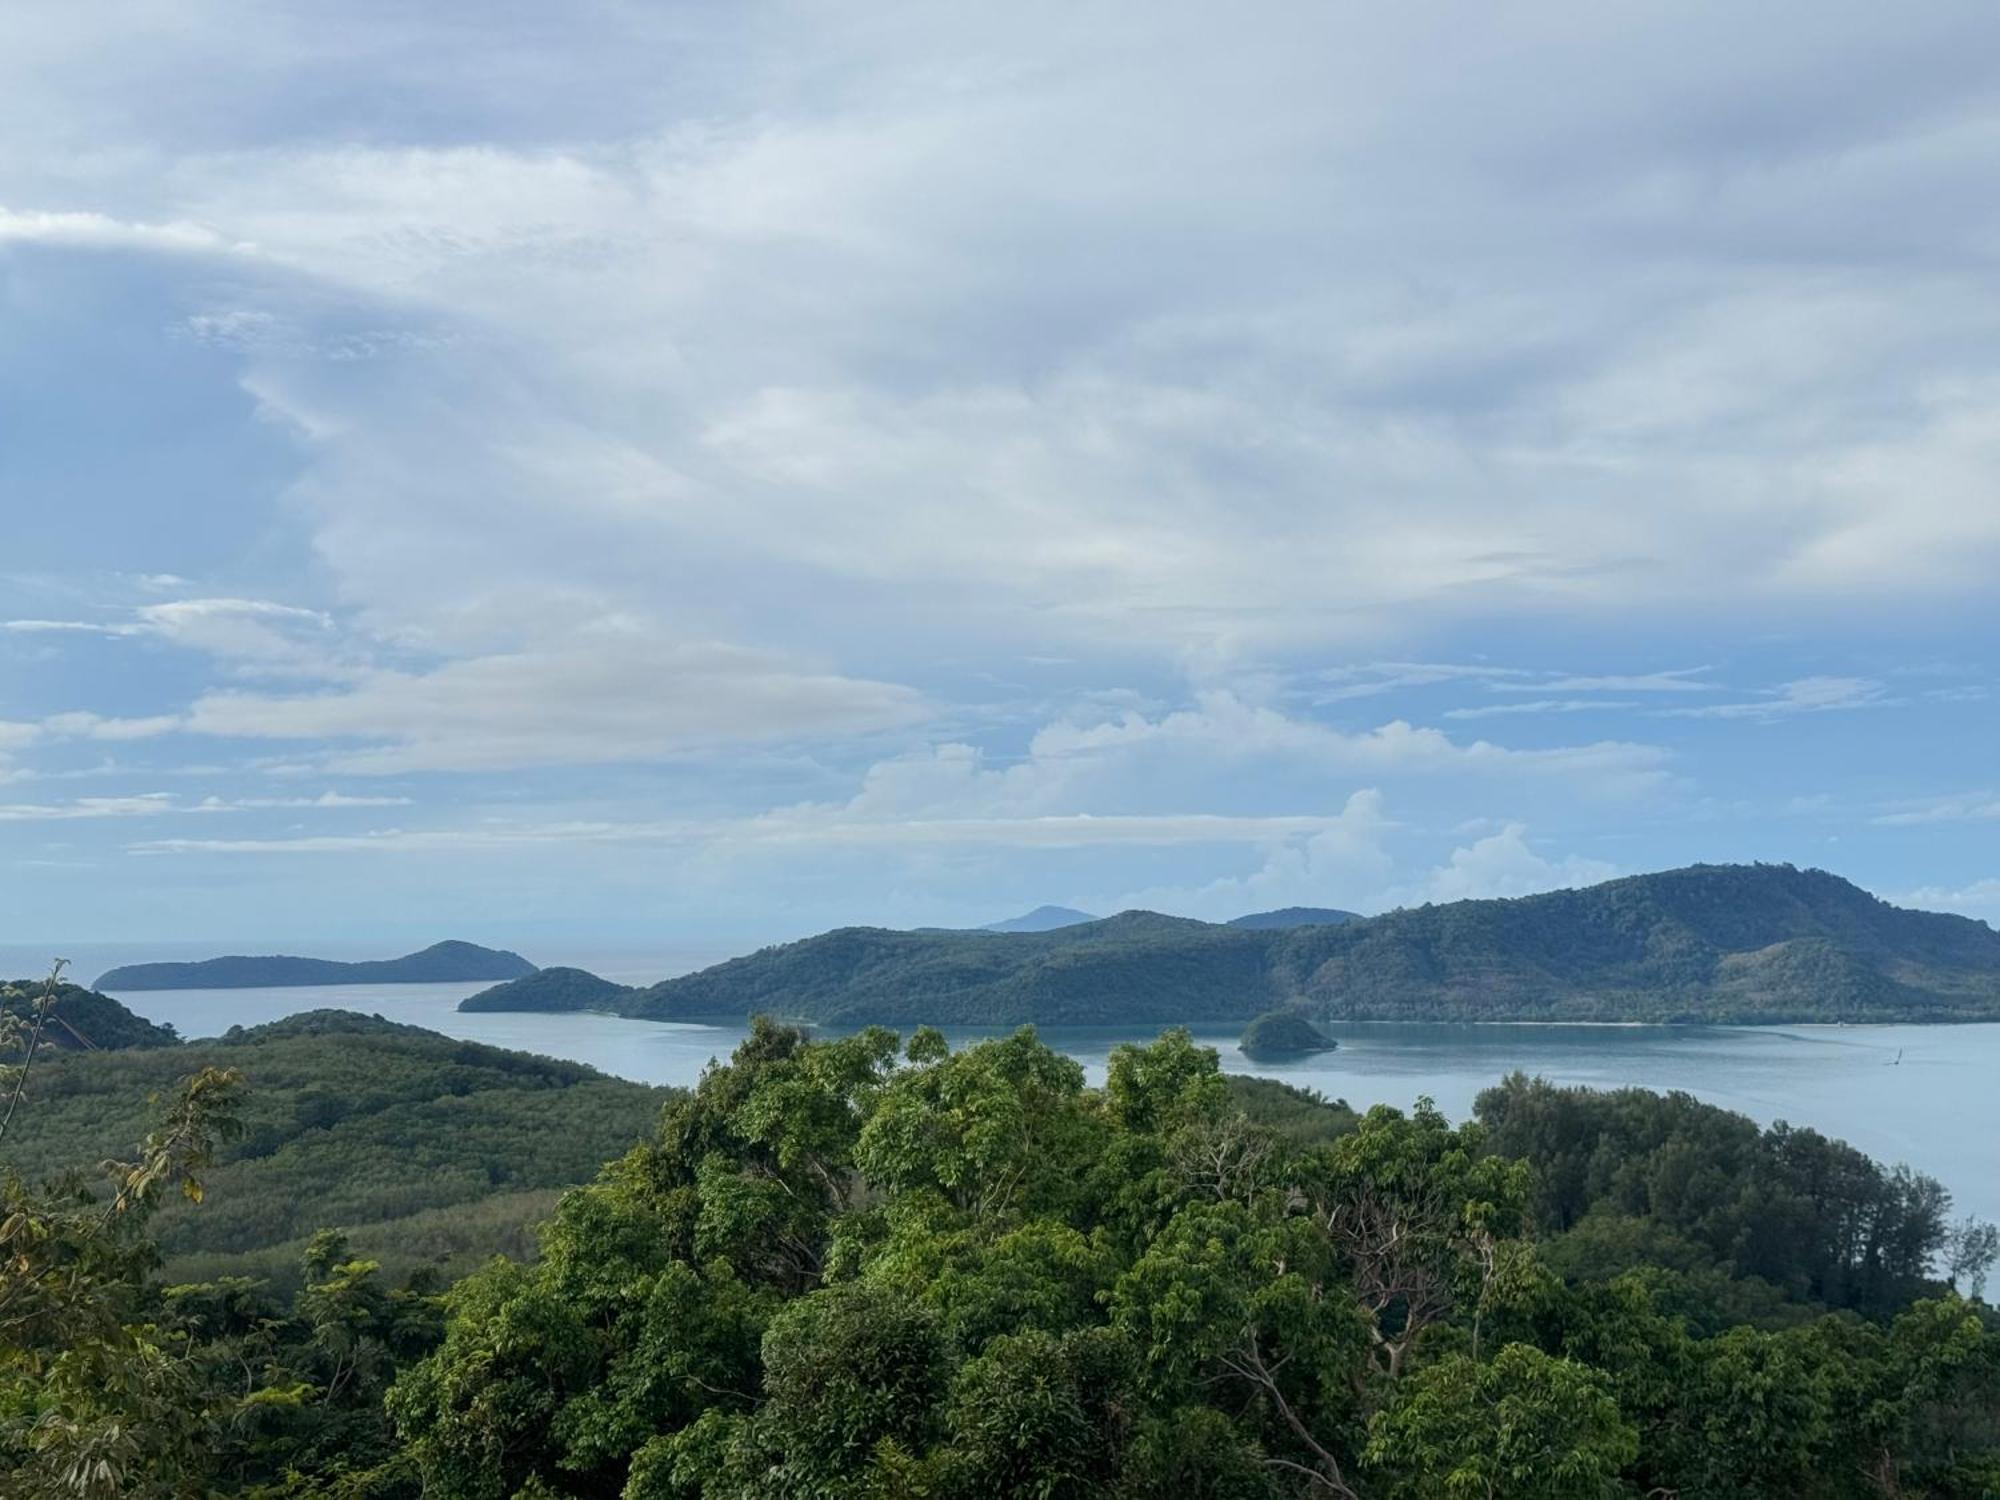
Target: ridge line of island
1707 944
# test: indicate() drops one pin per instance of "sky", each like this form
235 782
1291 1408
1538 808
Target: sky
618 473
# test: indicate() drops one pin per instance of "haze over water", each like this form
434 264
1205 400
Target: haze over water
1936 1109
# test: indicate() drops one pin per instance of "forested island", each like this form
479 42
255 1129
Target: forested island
1742 944
875 1267
1282 1034
440 963
552 989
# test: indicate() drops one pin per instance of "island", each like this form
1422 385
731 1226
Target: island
1708 944
1280 1034
552 989
441 963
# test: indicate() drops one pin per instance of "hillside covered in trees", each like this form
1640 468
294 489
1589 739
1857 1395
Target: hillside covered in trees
875 1269
425 1150
441 963
1711 943
80 1019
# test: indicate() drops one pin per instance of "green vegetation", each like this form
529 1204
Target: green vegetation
858 1268
1136 967
423 1148
1712 943
846 1268
80 1019
1284 1033
440 963
556 989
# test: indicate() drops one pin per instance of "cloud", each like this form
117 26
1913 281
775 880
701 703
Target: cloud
96 231
1680 680
1806 695
1341 864
1979 899
942 336
89 726
1966 807
143 805
1539 706
622 697
252 633
781 833
1503 864
157 804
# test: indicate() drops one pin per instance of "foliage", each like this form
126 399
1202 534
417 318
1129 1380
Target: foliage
1811 1217
78 1019
849 1269
354 1121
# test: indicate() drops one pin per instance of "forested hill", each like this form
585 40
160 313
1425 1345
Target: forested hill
441 963
551 989
423 1148
1716 943
82 1020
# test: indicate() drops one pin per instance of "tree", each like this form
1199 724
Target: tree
1522 1427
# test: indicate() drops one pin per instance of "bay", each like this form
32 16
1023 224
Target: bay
1925 1095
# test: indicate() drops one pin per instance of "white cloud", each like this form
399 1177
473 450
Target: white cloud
1979 899
96 231
1503 864
251 633
1539 706
157 804
623 696
1680 680
1967 807
1806 695
143 805
88 726
1341 864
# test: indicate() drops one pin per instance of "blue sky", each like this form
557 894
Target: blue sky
615 474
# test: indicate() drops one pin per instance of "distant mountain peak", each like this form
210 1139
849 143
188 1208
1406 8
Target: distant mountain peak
1041 919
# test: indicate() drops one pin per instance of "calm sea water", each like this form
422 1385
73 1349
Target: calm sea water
1938 1108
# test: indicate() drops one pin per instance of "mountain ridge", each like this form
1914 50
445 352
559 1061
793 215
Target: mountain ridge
1737 944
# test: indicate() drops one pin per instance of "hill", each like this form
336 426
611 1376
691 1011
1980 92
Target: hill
1730 943
83 1020
1296 916
552 989
441 963
1041 919
1710 943
1139 965
422 1147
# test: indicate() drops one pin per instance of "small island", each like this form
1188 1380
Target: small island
551 989
1283 1033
